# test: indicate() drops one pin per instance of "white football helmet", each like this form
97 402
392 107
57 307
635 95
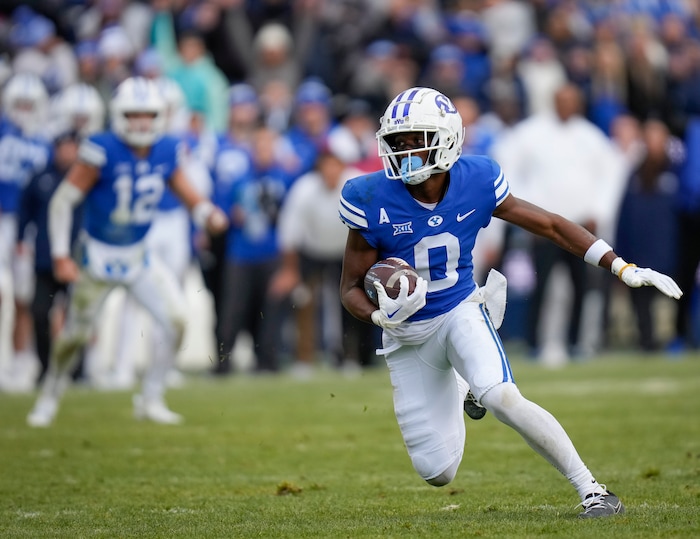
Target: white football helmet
176 110
133 96
426 111
25 101
79 107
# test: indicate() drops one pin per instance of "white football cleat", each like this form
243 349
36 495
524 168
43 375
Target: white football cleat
43 413
155 410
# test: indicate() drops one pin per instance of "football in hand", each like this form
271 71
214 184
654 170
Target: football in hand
388 272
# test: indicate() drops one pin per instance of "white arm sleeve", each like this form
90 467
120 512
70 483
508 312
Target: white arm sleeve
66 197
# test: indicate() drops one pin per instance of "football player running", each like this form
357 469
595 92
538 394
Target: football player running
120 177
440 342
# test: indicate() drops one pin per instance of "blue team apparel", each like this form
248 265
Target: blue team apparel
34 208
258 195
21 158
121 206
437 242
170 201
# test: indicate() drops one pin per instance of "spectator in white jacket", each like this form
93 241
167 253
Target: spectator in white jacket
564 162
312 241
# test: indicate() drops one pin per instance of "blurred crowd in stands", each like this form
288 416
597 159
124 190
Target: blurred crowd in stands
591 107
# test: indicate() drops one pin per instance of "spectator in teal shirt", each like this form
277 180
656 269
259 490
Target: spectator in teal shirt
186 61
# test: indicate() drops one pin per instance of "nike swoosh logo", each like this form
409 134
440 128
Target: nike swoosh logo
461 217
392 314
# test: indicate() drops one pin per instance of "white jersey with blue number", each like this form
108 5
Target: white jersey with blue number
120 207
437 242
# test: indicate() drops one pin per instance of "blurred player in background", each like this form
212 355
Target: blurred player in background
440 342
75 112
77 108
168 238
121 176
24 151
49 295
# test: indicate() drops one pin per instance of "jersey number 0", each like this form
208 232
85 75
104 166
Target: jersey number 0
449 245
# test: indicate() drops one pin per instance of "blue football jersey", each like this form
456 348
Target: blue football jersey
437 242
21 158
231 163
120 208
169 200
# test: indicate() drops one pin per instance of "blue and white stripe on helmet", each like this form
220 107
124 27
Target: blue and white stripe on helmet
406 101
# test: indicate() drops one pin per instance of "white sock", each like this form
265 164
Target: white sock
584 482
163 359
542 432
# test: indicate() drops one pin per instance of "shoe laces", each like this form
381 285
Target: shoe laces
596 499
471 398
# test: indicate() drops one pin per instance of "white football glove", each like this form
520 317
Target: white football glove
392 312
635 277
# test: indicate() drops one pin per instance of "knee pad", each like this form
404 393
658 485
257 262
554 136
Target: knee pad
432 457
178 322
67 346
445 477
173 324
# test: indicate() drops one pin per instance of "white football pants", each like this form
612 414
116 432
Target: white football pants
169 240
429 391
8 241
156 289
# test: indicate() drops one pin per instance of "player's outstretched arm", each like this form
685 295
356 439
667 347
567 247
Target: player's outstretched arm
580 242
635 277
204 213
80 179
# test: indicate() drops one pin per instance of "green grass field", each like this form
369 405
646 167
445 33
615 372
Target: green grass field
275 457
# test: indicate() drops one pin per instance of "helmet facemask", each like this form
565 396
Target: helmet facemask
25 101
141 129
406 165
138 112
